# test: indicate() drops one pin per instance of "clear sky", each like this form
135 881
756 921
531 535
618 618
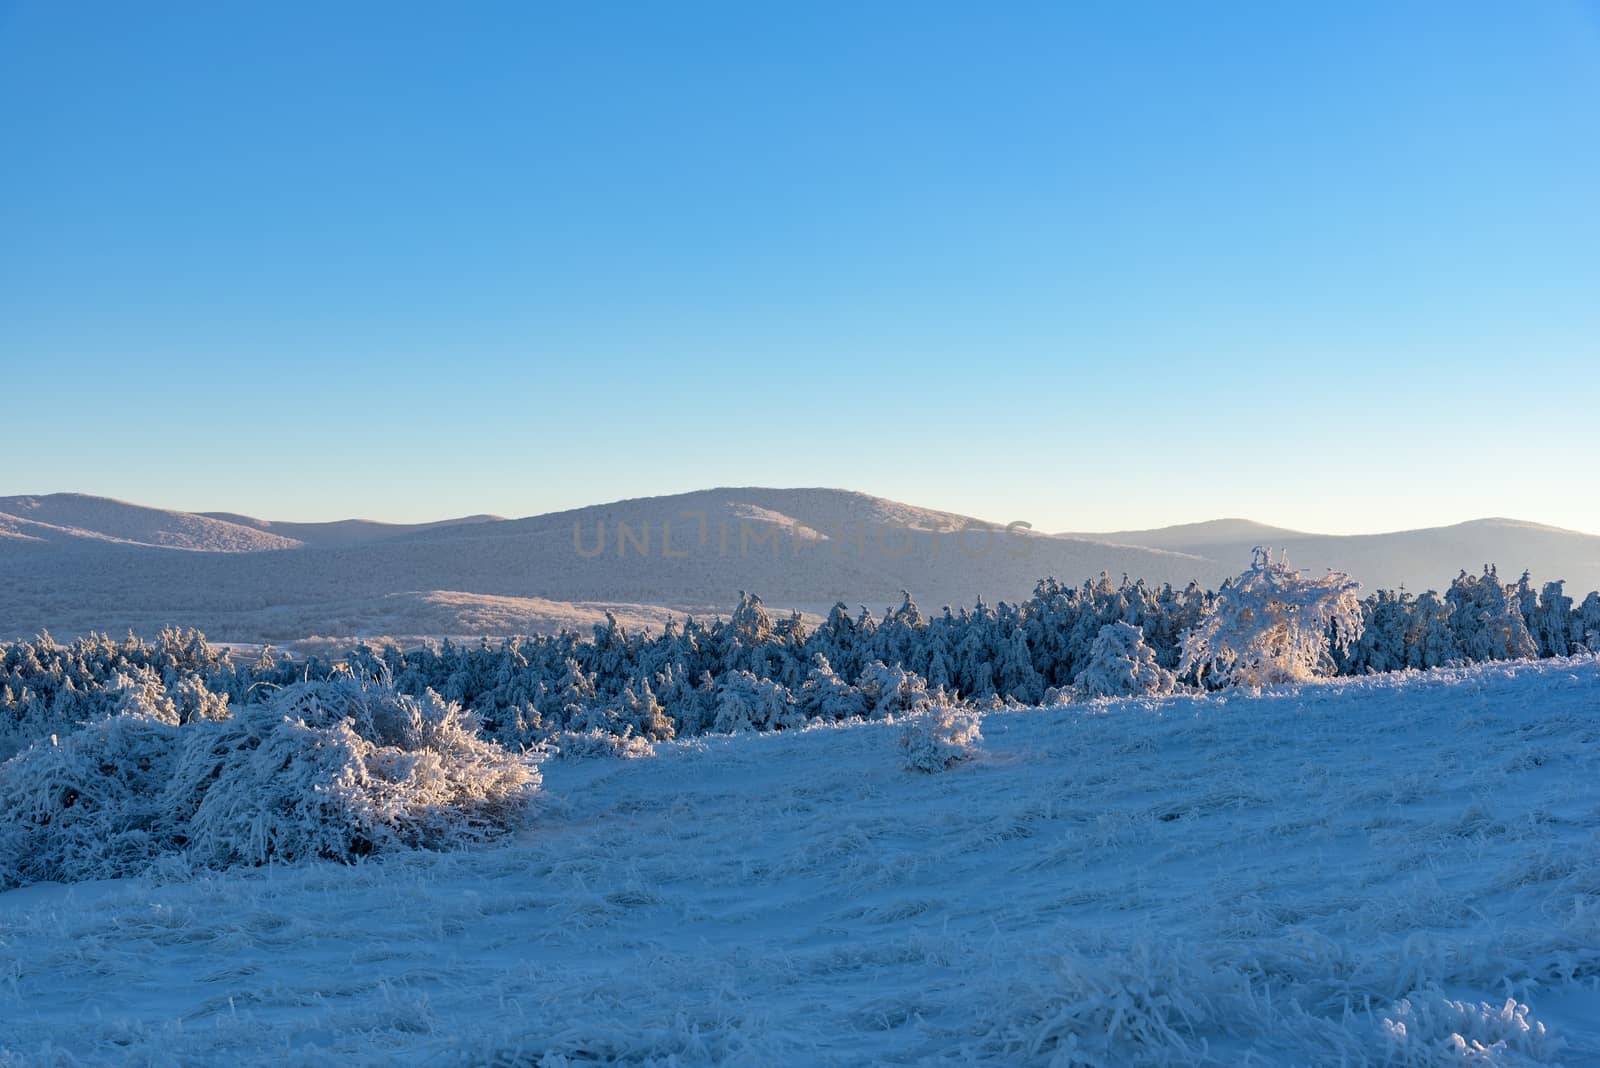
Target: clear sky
1094 266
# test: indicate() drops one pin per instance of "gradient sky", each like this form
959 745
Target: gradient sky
1093 266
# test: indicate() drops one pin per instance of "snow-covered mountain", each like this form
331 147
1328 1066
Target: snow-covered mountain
71 563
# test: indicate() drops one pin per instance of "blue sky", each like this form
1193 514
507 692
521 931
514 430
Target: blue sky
1093 266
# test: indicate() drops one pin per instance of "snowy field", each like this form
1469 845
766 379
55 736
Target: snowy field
1403 870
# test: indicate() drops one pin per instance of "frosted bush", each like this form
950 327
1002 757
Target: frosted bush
644 715
597 742
192 700
748 703
142 693
827 697
892 691
939 737
1122 665
90 805
336 769
341 769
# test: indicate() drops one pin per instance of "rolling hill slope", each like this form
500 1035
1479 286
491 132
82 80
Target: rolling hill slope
68 518
343 532
1417 559
72 563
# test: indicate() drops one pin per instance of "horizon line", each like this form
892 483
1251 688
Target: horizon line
1104 536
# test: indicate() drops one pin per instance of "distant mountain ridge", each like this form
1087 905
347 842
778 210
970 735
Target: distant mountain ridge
345 531
1194 535
1426 558
71 563
68 517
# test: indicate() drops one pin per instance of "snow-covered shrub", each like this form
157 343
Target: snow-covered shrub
585 745
825 696
634 711
142 693
1122 665
891 692
192 700
343 768
1273 624
90 805
746 703
644 714
335 769
938 737
518 727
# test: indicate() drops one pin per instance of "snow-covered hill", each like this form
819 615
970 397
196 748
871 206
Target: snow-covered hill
802 549
1402 870
78 520
71 563
1417 559
344 532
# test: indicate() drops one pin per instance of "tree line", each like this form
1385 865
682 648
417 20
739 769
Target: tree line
753 670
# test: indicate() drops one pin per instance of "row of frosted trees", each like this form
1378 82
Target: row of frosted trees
1479 618
754 671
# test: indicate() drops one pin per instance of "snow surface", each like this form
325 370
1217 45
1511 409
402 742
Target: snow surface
1397 870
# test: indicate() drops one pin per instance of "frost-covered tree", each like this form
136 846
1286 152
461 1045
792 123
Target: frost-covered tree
142 693
1014 673
1526 597
526 690
1552 623
1587 624
1382 645
1122 665
1430 642
825 696
1273 624
1487 619
748 703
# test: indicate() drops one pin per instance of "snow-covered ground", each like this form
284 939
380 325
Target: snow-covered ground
1401 870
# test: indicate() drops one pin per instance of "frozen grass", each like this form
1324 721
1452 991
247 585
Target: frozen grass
1403 871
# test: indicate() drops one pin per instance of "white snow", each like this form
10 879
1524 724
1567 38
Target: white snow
1398 870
